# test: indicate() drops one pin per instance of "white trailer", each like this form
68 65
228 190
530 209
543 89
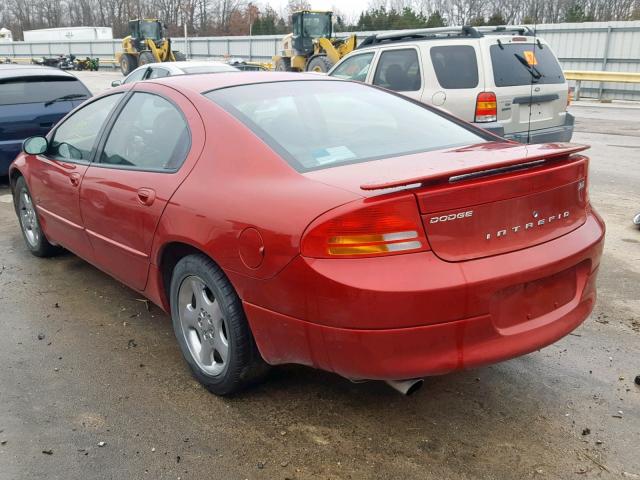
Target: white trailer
65 34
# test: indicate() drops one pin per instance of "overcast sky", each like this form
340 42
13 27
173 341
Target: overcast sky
351 8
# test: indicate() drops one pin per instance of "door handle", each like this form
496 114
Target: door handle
74 178
146 196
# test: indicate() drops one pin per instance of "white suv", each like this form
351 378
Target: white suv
503 79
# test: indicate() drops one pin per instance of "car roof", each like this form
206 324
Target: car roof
204 83
12 71
181 65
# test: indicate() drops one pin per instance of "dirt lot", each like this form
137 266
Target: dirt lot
84 362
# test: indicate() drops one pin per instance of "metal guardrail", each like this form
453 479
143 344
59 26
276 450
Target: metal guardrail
599 76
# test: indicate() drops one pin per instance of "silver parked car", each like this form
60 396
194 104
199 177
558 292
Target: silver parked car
168 69
503 79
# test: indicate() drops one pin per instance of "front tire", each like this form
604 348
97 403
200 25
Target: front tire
128 63
319 64
145 58
283 65
32 233
211 327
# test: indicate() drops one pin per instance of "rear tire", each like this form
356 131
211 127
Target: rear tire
34 237
128 63
283 65
320 64
146 58
211 327
179 56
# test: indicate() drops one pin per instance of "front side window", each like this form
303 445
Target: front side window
319 124
158 73
149 134
456 66
354 68
399 70
75 138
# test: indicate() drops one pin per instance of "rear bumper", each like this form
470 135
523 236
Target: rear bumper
562 133
448 317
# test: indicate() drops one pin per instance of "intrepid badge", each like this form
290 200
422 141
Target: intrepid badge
539 222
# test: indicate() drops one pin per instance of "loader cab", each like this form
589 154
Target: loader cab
140 30
307 26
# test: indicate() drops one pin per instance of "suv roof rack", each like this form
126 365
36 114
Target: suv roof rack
465 31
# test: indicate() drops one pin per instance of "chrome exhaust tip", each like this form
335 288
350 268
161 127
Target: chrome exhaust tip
406 387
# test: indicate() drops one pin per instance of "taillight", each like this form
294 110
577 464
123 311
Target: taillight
486 107
569 96
366 228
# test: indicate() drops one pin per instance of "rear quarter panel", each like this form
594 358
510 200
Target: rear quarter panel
240 183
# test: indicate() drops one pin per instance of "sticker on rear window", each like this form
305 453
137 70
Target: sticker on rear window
530 57
323 156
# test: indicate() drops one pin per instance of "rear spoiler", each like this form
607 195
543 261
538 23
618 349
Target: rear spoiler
437 172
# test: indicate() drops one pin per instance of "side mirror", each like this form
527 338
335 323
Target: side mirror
35 145
116 83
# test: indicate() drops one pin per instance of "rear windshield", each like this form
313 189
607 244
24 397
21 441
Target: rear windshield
15 91
209 69
524 63
321 124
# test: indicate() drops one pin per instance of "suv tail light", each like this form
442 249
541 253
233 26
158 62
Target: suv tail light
367 228
486 107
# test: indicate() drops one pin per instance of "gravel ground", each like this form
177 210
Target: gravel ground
85 362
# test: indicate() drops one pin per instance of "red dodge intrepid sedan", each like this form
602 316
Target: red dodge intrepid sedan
290 218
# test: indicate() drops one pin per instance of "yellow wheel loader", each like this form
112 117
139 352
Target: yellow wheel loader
146 43
311 47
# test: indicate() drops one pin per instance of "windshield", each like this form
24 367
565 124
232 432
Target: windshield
316 25
321 124
15 91
150 30
524 63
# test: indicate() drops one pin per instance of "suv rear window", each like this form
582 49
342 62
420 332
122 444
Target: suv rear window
509 71
456 66
320 124
20 90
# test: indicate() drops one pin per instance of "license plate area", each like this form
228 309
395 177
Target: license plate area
525 302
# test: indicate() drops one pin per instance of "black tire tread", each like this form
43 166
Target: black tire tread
251 367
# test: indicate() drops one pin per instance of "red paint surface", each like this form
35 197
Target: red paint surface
461 301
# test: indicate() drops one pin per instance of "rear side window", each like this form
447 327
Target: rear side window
15 91
354 68
523 64
399 70
456 66
150 133
320 124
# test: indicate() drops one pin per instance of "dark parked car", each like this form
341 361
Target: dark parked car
32 100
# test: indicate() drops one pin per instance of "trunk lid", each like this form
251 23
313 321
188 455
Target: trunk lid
484 199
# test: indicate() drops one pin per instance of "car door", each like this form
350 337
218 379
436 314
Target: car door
152 143
54 178
399 69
